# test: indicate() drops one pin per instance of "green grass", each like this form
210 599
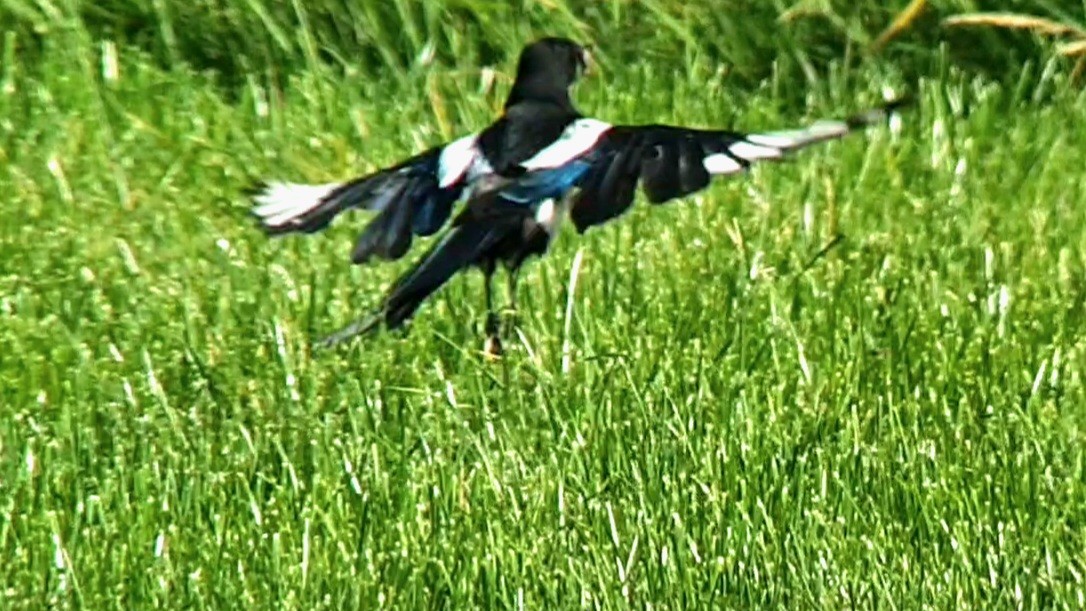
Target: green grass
729 422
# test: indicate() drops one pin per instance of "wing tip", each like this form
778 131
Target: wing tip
282 207
255 187
883 112
259 193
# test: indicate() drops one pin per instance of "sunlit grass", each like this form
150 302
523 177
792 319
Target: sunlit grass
738 423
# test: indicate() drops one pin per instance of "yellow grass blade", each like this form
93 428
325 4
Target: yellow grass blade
900 23
1072 49
1014 21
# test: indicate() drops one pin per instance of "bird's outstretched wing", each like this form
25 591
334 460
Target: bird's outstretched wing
671 162
414 197
607 163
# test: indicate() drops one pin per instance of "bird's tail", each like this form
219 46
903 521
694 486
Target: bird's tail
461 247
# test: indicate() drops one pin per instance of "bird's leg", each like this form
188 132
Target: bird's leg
493 345
511 287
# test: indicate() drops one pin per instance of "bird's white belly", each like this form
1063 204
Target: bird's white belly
551 214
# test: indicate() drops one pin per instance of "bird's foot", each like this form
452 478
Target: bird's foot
492 347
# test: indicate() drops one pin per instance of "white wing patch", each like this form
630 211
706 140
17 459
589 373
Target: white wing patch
781 140
754 152
576 140
545 215
551 214
771 145
721 163
281 202
456 159
791 139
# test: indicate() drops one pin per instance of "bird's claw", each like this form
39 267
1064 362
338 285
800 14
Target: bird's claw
492 347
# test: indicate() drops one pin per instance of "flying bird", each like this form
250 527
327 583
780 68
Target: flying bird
541 161
416 196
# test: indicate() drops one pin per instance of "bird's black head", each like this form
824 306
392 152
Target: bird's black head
547 69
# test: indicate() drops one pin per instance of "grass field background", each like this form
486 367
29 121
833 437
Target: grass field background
714 417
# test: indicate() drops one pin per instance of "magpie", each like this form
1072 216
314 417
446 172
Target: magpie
541 161
416 196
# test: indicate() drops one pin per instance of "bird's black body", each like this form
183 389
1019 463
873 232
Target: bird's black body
524 129
422 210
518 175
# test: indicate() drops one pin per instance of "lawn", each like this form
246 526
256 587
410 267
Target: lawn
705 406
